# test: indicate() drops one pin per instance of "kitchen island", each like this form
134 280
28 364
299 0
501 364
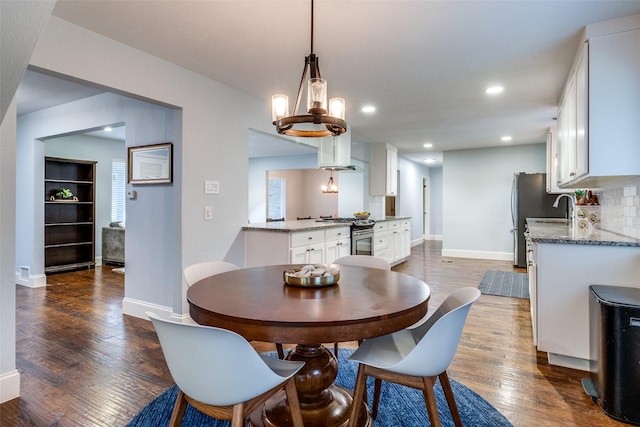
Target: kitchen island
312 241
562 263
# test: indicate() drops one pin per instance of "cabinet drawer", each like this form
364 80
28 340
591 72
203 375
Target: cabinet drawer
380 241
307 238
394 225
337 233
381 226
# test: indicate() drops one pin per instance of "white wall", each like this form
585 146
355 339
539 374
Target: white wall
20 26
9 376
304 195
257 174
103 151
477 198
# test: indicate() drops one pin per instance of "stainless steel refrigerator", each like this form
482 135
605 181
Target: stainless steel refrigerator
529 199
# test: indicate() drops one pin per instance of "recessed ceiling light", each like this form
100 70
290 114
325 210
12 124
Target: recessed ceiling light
492 90
429 160
107 129
428 145
506 138
368 109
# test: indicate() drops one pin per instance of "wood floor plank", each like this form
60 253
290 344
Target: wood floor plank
83 363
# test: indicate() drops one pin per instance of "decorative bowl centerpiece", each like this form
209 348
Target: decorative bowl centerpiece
361 215
312 275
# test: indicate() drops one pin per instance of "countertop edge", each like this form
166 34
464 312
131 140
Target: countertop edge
554 231
306 225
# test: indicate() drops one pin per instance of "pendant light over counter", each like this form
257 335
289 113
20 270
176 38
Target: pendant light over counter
332 116
330 187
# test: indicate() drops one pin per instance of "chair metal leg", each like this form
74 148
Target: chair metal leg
430 401
178 410
358 396
451 401
280 350
335 349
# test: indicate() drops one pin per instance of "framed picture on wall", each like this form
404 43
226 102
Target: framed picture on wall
151 164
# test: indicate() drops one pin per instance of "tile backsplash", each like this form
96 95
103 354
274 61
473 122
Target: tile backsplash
620 207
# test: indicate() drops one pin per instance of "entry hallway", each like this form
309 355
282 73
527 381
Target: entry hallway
83 363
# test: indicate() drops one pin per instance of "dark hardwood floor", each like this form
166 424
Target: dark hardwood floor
83 363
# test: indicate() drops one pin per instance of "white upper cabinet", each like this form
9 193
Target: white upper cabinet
598 130
384 170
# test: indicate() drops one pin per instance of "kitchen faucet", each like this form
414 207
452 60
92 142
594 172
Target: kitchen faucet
572 204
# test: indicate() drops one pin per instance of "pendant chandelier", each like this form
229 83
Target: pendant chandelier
330 187
332 119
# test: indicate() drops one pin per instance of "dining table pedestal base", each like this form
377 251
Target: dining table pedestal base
323 403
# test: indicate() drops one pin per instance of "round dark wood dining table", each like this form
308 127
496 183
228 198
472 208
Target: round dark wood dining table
257 304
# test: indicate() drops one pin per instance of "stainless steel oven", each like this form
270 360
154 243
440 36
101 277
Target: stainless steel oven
361 241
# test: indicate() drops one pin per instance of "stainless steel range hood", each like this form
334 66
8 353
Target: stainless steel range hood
334 152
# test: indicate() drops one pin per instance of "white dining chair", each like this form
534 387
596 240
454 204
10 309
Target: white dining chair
364 261
196 272
416 357
220 374
361 261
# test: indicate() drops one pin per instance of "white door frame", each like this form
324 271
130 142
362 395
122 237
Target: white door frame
426 208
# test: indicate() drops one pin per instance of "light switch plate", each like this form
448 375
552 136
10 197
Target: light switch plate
211 187
208 212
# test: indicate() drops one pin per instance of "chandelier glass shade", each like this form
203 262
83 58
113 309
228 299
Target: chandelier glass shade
331 114
330 187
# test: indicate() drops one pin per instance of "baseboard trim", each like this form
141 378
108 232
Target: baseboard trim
496 256
568 361
137 308
9 385
32 280
433 237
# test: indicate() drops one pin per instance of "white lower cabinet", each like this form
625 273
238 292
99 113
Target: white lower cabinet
563 275
337 243
308 254
268 247
392 240
380 239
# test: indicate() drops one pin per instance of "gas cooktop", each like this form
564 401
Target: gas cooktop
357 223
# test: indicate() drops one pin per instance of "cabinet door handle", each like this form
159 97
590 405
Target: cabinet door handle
572 174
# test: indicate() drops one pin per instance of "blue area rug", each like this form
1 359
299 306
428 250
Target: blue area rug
505 284
399 406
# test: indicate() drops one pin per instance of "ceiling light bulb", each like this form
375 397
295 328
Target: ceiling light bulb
428 145
279 106
107 129
429 160
494 90
506 138
317 96
336 107
368 109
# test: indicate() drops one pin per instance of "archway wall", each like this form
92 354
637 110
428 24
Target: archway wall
208 122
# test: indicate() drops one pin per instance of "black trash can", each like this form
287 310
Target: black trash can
614 322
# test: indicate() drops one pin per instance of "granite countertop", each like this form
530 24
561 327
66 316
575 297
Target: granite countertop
556 230
306 225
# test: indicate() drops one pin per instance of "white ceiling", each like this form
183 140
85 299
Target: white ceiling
423 64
